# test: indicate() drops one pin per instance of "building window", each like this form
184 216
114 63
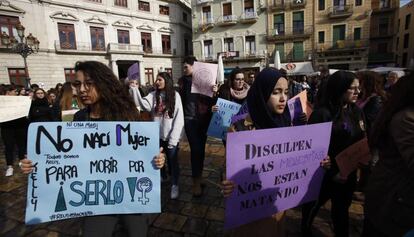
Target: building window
8 25
121 3
298 22
146 42
251 44
144 6
228 44
407 21
384 4
123 36
169 71
149 75
186 47
338 33
279 24
18 76
227 10
298 53
382 47
397 44
321 5
164 10
97 38
404 60
69 74
358 2
357 33
207 18
406 40
321 37
67 37
208 48
185 17
248 7
281 48
166 44
383 26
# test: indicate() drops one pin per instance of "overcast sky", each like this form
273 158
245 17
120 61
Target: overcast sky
403 2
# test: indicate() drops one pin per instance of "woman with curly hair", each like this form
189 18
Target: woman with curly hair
165 106
105 99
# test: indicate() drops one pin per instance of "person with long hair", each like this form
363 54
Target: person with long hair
197 115
235 89
40 109
52 96
106 100
266 101
348 127
389 195
68 98
165 106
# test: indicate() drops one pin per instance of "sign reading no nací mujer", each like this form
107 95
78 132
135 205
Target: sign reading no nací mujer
92 168
273 170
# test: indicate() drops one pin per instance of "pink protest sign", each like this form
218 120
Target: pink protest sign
273 170
348 160
204 78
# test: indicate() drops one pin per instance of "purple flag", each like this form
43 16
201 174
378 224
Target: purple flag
273 170
133 72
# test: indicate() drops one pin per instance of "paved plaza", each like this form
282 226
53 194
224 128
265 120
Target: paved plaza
186 216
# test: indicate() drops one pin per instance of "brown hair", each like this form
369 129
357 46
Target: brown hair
371 82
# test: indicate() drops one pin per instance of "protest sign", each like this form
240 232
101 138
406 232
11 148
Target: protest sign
273 170
349 159
204 78
133 72
300 99
92 168
242 114
221 120
14 107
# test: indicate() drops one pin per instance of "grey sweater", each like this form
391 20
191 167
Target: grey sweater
170 128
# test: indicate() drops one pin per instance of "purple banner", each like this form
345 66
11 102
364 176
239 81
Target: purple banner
273 170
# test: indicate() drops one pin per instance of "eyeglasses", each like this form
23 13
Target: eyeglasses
87 84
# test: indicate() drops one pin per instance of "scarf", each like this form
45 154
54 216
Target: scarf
240 95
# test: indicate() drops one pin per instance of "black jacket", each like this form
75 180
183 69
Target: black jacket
41 111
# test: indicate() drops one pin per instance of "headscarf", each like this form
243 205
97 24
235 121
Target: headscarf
257 97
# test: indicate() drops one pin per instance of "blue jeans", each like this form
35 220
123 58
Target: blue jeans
197 137
172 162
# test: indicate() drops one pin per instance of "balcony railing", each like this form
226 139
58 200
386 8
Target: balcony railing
249 17
297 3
130 48
381 57
207 23
290 33
340 11
78 47
342 45
227 20
295 56
384 6
254 54
200 2
278 5
229 54
381 33
159 51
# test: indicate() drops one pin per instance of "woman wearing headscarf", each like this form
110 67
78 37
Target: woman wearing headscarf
266 101
389 195
348 127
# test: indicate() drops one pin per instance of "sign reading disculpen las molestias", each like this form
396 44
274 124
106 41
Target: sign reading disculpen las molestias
92 168
273 170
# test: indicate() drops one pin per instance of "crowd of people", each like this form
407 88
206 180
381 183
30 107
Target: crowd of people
359 105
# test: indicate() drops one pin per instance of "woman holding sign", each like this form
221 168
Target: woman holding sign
165 106
348 127
235 90
106 100
266 101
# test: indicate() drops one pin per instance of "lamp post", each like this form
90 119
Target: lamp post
27 45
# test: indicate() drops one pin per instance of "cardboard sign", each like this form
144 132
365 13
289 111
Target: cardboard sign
92 168
14 107
221 120
274 170
204 78
348 160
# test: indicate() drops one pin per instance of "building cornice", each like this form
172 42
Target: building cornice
110 11
96 20
62 15
7 7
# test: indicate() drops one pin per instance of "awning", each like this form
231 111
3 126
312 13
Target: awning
386 70
302 68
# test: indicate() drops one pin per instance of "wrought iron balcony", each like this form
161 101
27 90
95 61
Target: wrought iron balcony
206 24
342 45
201 2
227 20
342 11
125 48
278 5
79 47
249 17
282 34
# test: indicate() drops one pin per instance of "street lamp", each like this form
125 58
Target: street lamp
27 45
